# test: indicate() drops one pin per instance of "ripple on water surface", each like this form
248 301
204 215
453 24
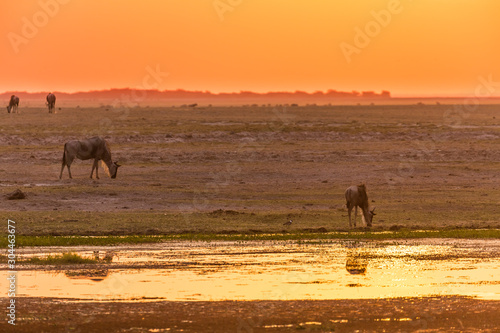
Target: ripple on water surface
272 271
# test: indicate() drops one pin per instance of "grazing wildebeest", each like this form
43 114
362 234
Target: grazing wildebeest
51 102
355 197
96 148
13 104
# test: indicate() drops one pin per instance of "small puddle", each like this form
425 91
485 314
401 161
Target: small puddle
200 271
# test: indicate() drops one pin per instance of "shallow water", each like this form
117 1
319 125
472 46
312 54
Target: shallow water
273 271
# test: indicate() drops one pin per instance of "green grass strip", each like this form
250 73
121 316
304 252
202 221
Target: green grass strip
22 241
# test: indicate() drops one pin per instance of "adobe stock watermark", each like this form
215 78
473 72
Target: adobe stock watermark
12 273
363 36
250 149
152 80
223 6
32 25
121 106
113 287
453 116
288 285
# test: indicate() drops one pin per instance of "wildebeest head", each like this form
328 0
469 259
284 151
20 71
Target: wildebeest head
369 218
114 169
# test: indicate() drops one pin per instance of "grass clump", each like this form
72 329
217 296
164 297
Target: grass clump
61 259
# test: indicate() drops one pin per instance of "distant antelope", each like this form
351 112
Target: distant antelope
355 197
51 102
13 104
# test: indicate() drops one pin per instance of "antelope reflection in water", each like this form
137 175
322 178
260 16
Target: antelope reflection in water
97 274
357 259
88 274
356 264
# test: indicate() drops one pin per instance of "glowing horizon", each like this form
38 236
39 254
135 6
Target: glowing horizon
402 96
425 48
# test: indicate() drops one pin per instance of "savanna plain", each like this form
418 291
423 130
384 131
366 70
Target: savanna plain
237 174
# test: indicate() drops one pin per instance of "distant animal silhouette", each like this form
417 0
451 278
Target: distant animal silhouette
288 223
356 197
51 102
96 148
108 255
13 104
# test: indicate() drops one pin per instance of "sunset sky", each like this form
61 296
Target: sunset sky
419 47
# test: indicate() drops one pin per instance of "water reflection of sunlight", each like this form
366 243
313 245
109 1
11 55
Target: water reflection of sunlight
279 270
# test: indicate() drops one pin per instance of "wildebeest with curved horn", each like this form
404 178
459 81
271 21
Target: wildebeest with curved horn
13 104
355 197
96 148
51 102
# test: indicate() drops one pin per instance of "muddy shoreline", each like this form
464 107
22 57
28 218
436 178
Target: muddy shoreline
432 314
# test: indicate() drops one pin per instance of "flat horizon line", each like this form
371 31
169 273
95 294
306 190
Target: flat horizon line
354 93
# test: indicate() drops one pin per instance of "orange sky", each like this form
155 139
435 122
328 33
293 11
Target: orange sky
419 47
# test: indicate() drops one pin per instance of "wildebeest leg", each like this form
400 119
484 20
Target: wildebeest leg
62 169
96 162
66 162
355 215
95 166
349 210
363 219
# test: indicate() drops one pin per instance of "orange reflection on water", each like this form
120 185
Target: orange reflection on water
281 271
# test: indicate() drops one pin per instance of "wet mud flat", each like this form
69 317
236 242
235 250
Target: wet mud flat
430 314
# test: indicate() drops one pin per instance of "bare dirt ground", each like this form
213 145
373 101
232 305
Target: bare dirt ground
241 168
436 314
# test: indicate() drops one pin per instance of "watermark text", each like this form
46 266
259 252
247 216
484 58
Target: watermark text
12 274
